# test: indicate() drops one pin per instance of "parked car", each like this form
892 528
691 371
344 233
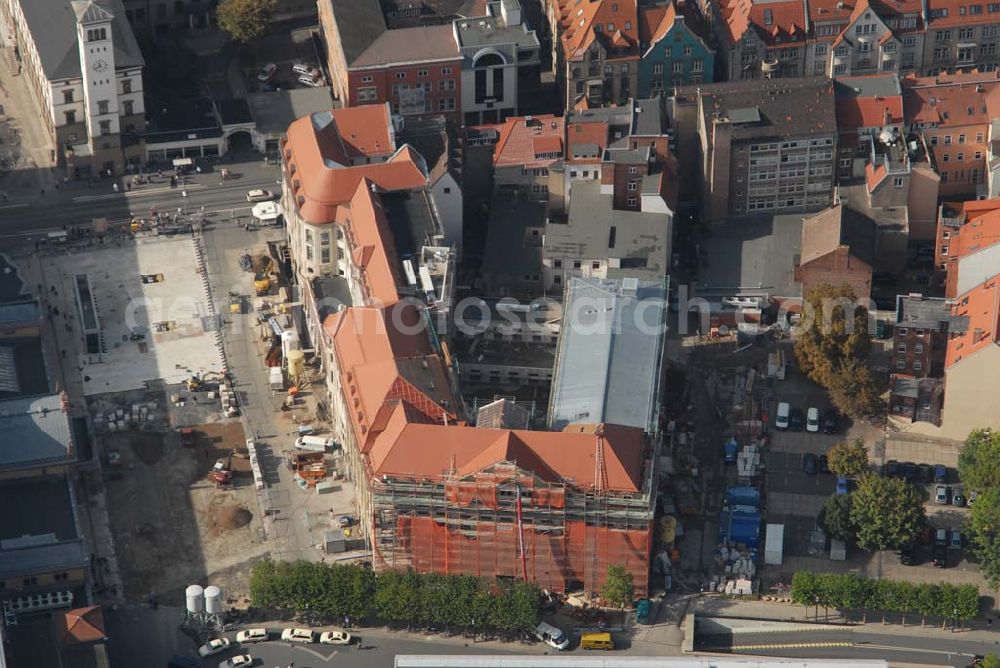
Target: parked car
335 638
842 486
311 82
812 420
809 463
941 495
260 195
925 473
907 554
941 537
908 471
781 416
238 661
957 498
891 469
551 636
824 464
214 646
831 422
307 70
796 419
251 635
267 72
940 473
956 540
299 635
939 555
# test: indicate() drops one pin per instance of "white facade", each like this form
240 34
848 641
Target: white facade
446 196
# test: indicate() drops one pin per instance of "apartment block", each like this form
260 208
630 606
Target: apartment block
764 147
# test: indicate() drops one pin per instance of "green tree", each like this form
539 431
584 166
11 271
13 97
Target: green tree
886 513
991 661
618 589
979 460
245 20
849 458
984 532
854 389
805 588
835 517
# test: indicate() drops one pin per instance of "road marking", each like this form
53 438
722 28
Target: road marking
801 645
865 645
14 206
136 193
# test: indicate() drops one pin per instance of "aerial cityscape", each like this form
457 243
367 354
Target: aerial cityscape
493 333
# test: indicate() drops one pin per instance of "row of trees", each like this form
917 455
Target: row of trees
979 469
414 599
847 591
833 347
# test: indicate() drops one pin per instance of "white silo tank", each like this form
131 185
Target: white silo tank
194 595
213 600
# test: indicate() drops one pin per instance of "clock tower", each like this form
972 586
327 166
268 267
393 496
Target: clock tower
97 65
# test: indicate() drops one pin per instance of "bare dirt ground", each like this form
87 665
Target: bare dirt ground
172 526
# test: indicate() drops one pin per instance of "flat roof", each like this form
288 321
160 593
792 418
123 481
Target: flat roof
976 268
408 46
36 430
491 31
507 251
609 354
37 506
31 560
273 112
753 257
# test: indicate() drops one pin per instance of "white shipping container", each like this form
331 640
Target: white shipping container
774 544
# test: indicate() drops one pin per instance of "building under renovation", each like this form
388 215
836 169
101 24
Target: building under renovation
556 508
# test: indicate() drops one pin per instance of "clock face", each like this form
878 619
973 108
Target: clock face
100 65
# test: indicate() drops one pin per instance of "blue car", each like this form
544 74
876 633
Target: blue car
841 485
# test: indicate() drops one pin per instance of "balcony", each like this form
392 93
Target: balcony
889 150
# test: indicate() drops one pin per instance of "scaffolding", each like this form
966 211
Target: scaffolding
469 525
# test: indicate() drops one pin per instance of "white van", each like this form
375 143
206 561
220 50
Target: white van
812 420
314 443
781 418
551 636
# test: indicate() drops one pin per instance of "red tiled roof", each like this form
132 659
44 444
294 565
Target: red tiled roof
618 21
982 306
590 132
519 141
868 112
948 99
319 149
787 20
81 625
371 244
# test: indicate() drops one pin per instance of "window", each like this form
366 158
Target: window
900 364
979 137
102 107
99 34
632 169
577 264
446 71
128 108
67 96
687 50
628 25
595 265
917 365
624 69
367 94
611 27
942 36
901 348
324 255
820 49
940 54
400 75
909 41
902 331
633 186
446 104
946 157
70 117
658 68
966 33
421 73
966 54
667 52
105 127
557 264
947 140
960 157
631 201
679 67
367 78
898 182
697 65
918 348
944 177
768 17
845 163
126 86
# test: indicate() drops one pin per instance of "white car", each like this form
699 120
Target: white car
260 195
812 420
335 638
251 635
311 82
214 646
307 70
298 635
238 661
781 417
551 636
267 72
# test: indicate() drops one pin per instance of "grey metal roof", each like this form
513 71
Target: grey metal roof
359 23
90 11
19 312
27 561
753 257
977 267
35 429
52 24
789 107
584 150
509 250
493 31
627 156
648 119
408 45
608 365
273 112
641 239
929 313
869 86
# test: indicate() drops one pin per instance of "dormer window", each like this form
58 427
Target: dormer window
768 17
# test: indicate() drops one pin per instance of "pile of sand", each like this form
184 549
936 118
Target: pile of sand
227 518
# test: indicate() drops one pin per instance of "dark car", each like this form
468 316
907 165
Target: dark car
824 464
907 554
809 463
908 471
940 556
940 473
891 469
925 473
958 499
830 422
796 420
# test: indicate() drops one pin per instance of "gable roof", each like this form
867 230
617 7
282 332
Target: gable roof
828 230
522 138
409 46
956 99
80 625
867 102
782 20
359 23
90 11
613 22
